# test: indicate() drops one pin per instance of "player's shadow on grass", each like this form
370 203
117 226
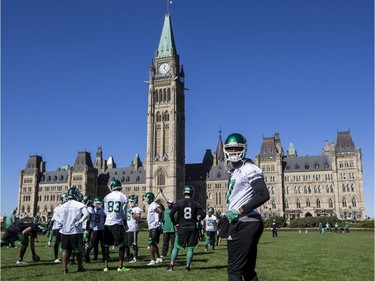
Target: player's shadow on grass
265 243
29 264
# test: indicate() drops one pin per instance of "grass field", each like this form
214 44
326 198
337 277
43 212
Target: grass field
291 256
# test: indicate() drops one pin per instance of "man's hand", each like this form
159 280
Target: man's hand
77 224
233 215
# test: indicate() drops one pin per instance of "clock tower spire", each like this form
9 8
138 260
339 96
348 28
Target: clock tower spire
165 159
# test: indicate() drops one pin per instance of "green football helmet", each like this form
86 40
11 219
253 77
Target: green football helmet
98 202
148 198
237 145
73 193
115 185
63 198
86 200
211 210
189 189
133 199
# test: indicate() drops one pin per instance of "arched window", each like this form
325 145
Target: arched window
354 202
164 96
330 203
273 204
298 204
286 204
160 178
158 117
308 204
344 203
166 116
318 203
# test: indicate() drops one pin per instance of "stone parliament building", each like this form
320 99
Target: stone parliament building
299 186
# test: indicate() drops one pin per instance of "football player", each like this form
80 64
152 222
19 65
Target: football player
154 217
71 215
168 229
189 213
25 233
246 192
134 216
114 227
56 226
87 229
97 224
210 227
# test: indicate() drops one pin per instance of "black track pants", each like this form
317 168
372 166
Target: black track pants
242 250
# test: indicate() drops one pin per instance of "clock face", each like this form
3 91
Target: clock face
164 68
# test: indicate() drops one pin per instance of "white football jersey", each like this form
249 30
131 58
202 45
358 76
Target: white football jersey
210 223
56 224
239 189
85 224
70 213
115 208
153 216
133 224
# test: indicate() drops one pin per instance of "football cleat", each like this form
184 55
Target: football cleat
106 269
187 268
170 268
158 260
123 269
21 262
81 269
57 261
133 260
152 262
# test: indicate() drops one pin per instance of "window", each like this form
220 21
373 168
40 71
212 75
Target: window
158 117
354 202
344 203
166 116
308 203
286 204
318 204
161 178
298 204
273 204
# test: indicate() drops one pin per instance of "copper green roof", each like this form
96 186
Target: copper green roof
167 46
291 150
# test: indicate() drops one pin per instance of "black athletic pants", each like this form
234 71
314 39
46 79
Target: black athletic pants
167 237
242 250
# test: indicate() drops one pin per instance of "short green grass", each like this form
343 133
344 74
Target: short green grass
291 256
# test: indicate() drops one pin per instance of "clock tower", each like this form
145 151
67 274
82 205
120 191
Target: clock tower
165 158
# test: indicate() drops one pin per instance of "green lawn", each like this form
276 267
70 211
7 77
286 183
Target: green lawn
291 256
